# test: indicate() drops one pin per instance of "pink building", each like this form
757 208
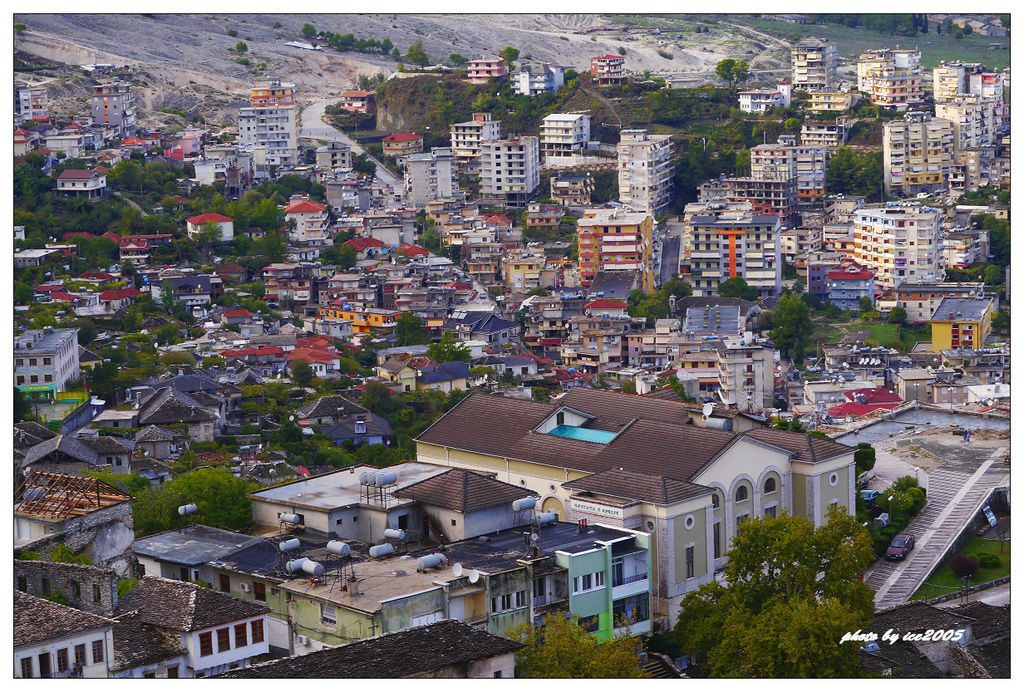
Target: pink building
358 101
608 69
486 68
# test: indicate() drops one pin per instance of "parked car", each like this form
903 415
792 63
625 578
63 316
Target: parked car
869 496
902 543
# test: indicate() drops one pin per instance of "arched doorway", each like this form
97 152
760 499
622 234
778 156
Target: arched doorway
553 504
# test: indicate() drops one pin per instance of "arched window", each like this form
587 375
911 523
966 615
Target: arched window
714 501
769 485
741 493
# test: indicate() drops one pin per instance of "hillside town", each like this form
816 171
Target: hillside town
486 362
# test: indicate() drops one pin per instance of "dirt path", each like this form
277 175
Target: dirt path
602 99
131 203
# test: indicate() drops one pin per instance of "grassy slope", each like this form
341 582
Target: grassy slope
945 581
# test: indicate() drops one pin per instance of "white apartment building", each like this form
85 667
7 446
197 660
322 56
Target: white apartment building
645 170
746 373
467 137
830 134
746 245
32 103
510 169
759 101
900 241
708 208
891 78
562 135
787 159
536 79
949 79
814 63
975 120
45 360
267 129
917 153
334 156
430 177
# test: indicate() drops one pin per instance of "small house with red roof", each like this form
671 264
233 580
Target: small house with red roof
608 69
367 248
134 144
232 271
402 144
235 316
264 359
98 277
863 401
606 306
358 101
21 142
323 362
847 285
311 221
195 225
76 182
135 251
411 250
115 300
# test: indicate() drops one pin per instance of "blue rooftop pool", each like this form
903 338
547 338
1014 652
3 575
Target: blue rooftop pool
585 434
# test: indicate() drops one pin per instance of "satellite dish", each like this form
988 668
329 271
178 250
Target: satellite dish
457 569
708 410
474 576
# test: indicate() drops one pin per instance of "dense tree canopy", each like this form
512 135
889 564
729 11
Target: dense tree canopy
220 498
737 287
792 319
561 648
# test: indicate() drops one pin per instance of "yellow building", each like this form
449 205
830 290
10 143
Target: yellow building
833 100
364 320
521 269
616 240
962 323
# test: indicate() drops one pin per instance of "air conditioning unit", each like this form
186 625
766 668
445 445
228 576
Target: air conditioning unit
246 587
303 639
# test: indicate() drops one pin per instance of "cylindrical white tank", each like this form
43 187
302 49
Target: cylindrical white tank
338 548
547 518
432 560
366 477
293 566
524 503
291 518
386 477
313 568
290 544
382 550
397 534
187 509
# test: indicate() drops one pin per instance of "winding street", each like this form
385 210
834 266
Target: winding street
314 127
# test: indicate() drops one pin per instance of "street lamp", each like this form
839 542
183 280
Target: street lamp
949 390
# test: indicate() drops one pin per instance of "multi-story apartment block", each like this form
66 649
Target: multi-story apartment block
918 154
113 105
522 269
899 241
334 156
45 361
775 196
597 343
828 134
401 144
267 128
363 320
976 121
891 78
759 101
32 103
707 208
949 79
746 372
616 240
836 100
962 323
645 170
430 177
571 189
622 456
468 136
536 79
510 169
729 245
608 69
289 281
798 241
848 285
562 135
961 249
484 69
311 221
921 299
788 160
814 63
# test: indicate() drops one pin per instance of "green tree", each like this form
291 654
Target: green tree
308 30
273 245
386 45
736 287
788 583
561 648
732 71
866 304
417 56
448 350
410 330
19 27
542 394
509 55
457 59
628 387
241 47
897 315
219 496
792 319
63 553
23 293
302 373
21 405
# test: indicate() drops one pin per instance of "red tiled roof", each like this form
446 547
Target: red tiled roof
874 395
606 303
134 245
847 274
237 313
132 141
120 294
208 218
852 409
606 57
304 206
498 219
365 243
77 174
49 288
253 351
61 295
402 137
19 131
406 249
311 355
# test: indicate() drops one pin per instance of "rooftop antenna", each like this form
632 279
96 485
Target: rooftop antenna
706 412
474 576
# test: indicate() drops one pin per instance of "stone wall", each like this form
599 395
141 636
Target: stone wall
105 535
88 587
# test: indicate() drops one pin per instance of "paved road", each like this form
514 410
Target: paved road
997 596
670 256
314 127
956 492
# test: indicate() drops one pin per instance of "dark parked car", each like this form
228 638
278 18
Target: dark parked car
902 543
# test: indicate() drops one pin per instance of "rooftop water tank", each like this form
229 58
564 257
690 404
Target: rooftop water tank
524 503
186 509
293 566
290 544
312 568
547 518
432 560
397 534
386 477
382 550
338 548
291 518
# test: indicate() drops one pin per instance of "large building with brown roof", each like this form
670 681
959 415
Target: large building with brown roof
643 463
57 641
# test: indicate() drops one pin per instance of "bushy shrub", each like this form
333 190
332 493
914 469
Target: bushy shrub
989 561
964 566
864 457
